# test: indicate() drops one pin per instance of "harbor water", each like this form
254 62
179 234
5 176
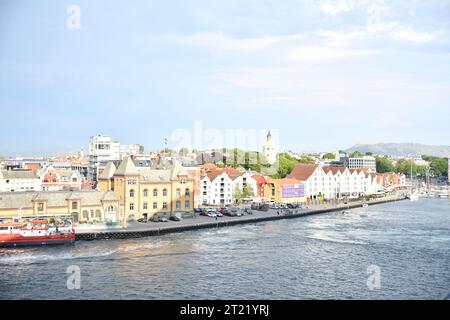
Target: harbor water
398 250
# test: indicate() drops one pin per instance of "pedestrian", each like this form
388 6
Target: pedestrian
278 212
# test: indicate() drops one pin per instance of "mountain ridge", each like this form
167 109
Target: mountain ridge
403 149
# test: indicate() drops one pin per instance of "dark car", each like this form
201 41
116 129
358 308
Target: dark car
248 211
230 212
142 220
175 218
204 213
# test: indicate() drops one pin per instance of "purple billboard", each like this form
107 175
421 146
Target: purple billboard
293 190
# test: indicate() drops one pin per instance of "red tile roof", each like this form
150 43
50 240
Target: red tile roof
302 171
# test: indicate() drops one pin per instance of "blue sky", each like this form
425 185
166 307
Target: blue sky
325 74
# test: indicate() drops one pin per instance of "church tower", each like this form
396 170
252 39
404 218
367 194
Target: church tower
269 150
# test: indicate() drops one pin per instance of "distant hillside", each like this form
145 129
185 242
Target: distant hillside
402 149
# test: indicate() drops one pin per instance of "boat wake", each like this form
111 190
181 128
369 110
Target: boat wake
29 258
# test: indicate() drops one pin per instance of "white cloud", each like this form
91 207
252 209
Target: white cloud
412 35
320 53
221 41
338 6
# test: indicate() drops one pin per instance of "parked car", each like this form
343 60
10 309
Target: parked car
230 212
142 220
175 218
219 214
163 219
248 211
212 214
204 213
155 218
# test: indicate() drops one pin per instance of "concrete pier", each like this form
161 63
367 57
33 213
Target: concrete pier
138 230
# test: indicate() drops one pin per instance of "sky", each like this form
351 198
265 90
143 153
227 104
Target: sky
324 75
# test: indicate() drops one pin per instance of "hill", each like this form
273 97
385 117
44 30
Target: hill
402 149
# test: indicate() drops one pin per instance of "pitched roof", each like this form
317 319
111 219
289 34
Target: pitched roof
259 179
334 170
18 174
214 174
127 168
302 171
12 200
108 172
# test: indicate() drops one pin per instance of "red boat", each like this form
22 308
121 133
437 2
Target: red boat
38 232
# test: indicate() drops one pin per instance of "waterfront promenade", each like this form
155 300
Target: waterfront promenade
136 230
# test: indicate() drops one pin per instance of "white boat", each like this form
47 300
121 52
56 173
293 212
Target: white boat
443 194
413 196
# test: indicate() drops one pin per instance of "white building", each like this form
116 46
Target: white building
19 180
365 162
55 179
103 149
216 188
243 180
335 182
269 150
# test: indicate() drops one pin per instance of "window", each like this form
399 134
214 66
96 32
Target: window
155 192
74 205
145 192
131 193
145 205
98 214
85 214
164 192
131 206
187 204
155 205
164 205
187 192
178 193
40 206
178 204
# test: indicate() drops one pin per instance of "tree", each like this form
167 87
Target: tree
183 151
286 163
438 166
384 165
404 167
329 156
356 154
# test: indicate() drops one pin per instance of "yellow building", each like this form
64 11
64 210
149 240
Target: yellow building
144 192
284 191
82 206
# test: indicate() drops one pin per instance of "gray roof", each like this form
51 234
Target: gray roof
127 168
109 171
18 174
11 200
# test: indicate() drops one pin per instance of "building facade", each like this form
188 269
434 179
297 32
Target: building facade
270 150
82 206
365 162
53 179
144 192
19 180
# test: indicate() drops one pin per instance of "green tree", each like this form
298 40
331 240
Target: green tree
286 163
438 166
404 167
356 154
329 156
384 165
183 151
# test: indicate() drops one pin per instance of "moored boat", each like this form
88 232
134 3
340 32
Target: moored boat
38 232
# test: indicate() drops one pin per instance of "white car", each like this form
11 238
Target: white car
212 214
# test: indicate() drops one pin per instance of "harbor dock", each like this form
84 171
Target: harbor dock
138 230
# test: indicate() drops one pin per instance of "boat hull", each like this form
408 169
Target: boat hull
15 240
